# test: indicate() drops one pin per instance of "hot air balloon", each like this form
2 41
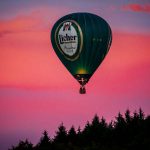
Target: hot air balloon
81 41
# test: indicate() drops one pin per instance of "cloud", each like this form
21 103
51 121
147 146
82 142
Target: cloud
5 32
20 24
137 7
36 20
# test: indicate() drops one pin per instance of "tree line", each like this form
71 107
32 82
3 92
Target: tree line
127 132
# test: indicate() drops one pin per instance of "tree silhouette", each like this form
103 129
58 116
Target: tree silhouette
72 135
141 114
79 131
61 134
45 142
23 145
128 117
125 133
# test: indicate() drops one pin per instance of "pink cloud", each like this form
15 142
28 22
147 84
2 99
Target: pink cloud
37 20
137 7
19 24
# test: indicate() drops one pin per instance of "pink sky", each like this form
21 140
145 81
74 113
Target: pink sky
38 93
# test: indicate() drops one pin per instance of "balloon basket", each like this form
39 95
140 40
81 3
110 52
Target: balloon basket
83 80
82 90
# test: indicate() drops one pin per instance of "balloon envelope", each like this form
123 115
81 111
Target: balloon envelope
81 41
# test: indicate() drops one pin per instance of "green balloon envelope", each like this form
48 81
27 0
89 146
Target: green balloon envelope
81 41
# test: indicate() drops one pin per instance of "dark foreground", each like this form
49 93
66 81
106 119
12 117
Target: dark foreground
127 132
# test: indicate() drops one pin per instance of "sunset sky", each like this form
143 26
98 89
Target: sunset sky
37 93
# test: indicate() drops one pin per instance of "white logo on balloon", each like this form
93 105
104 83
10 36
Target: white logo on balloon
68 39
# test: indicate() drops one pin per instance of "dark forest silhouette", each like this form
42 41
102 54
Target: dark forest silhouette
127 132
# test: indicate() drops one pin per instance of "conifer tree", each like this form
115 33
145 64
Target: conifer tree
45 142
120 121
95 121
72 136
128 117
103 122
61 134
79 131
23 145
141 114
